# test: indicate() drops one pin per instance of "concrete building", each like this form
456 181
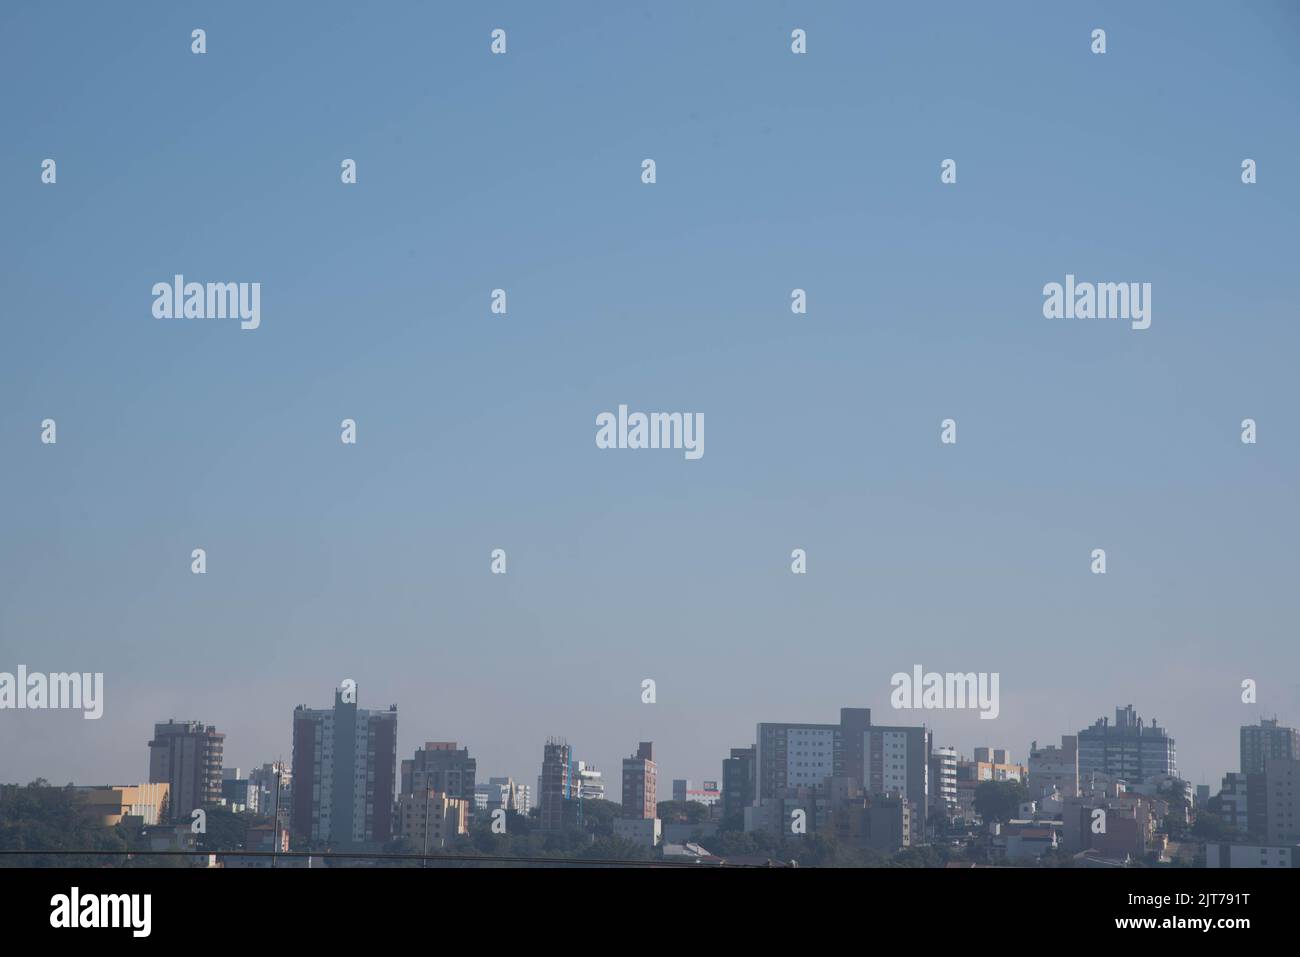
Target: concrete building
991 764
558 787
112 804
645 831
881 823
344 773
591 783
943 783
263 837
738 777
1027 840
688 851
1053 768
1281 788
1125 828
238 792
778 815
179 837
884 759
186 756
708 794
1252 855
274 784
640 783
441 766
1241 803
504 793
1127 749
1267 741
433 817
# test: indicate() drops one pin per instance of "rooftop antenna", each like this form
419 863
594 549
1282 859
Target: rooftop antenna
275 821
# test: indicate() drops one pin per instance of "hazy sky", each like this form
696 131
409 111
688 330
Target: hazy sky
476 431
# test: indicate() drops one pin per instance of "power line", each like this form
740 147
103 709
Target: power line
346 855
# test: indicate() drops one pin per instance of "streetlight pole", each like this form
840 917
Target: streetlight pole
424 861
275 822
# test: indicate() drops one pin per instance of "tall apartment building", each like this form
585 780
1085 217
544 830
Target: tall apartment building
441 766
640 783
344 773
738 776
943 781
1282 801
505 793
591 784
1264 741
1241 803
239 791
558 788
884 759
880 823
1127 749
1054 768
268 780
186 756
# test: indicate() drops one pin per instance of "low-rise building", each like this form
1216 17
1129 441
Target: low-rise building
112 804
689 852
644 831
1252 855
1053 768
1028 840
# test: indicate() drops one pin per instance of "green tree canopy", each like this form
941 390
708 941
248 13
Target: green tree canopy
39 817
999 800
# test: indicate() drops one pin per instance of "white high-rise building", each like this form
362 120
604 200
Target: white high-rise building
943 782
591 785
502 793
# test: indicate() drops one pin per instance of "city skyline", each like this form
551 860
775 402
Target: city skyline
523 773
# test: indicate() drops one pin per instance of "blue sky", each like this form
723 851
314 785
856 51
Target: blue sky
476 431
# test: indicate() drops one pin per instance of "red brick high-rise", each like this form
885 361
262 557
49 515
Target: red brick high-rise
640 783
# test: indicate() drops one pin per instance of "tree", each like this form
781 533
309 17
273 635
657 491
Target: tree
225 830
924 855
999 800
733 843
734 821
1174 825
404 845
39 817
1210 827
598 816
682 812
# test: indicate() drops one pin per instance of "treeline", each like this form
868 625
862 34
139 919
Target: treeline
39 817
